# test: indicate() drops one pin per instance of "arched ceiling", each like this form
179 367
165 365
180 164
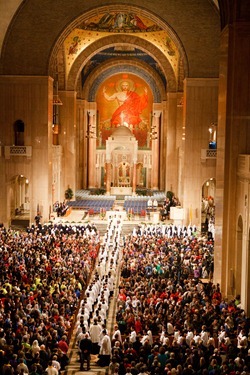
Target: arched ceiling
125 52
54 36
110 68
114 33
117 23
90 53
9 8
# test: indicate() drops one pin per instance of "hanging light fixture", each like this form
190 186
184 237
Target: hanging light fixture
90 133
213 135
56 103
56 99
153 135
180 102
91 129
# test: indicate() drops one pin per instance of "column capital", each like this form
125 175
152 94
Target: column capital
157 113
91 112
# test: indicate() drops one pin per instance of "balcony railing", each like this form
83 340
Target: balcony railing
208 154
10 151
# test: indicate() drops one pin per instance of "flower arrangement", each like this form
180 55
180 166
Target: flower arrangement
68 194
130 213
102 213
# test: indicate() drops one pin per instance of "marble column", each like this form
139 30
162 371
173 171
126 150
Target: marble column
232 140
155 151
108 177
91 133
134 179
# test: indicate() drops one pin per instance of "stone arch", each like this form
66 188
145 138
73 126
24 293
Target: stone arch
114 40
132 66
171 18
206 189
19 191
19 127
53 63
208 210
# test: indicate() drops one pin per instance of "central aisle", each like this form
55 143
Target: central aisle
74 366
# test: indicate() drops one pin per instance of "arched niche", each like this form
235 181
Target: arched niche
134 67
19 127
20 201
114 40
208 206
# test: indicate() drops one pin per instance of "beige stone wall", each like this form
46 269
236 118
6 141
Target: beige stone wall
233 139
28 99
200 109
68 140
81 149
170 134
238 259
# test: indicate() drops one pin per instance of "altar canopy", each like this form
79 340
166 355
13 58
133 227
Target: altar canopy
121 155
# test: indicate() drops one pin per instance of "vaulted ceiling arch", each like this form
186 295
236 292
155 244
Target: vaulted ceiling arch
69 80
114 40
125 66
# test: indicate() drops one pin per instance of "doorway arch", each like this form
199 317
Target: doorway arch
208 206
20 200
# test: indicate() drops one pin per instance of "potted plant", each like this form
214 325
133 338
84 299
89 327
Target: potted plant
68 194
102 213
130 214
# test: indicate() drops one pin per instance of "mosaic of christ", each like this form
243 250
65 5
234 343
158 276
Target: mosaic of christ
124 99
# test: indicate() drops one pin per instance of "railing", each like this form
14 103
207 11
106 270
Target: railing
208 154
17 151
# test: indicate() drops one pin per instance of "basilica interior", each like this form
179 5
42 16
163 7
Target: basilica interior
129 98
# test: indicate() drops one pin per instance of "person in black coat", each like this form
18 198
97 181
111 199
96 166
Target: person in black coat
85 346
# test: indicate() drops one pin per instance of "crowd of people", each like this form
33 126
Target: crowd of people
170 318
171 201
43 273
60 208
92 333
